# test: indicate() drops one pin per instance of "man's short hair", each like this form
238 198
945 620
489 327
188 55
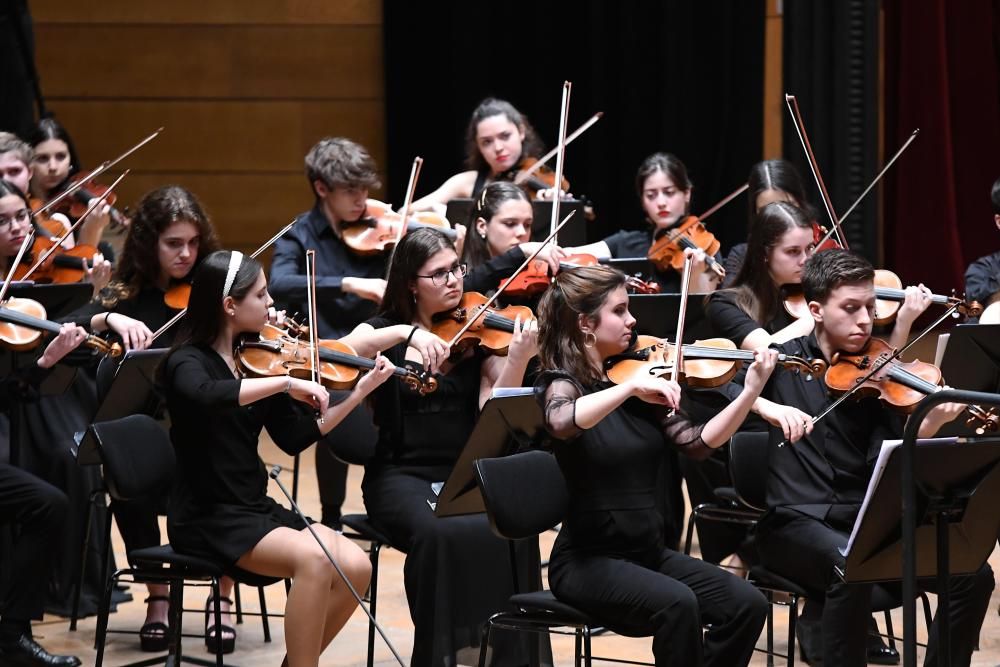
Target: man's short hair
11 143
827 270
995 196
339 162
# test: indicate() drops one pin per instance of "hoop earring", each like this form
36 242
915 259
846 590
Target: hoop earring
589 339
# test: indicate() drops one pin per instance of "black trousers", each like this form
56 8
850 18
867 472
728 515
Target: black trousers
806 550
40 511
670 596
352 441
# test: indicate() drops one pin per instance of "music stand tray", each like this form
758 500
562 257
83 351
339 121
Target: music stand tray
656 315
957 481
971 361
132 391
57 299
511 420
459 212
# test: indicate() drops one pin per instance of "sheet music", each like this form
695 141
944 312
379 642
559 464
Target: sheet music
883 459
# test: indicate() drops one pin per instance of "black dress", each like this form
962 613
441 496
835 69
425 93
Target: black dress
457 572
610 559
219 508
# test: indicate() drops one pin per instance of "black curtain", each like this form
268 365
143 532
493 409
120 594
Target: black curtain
681 77
18 89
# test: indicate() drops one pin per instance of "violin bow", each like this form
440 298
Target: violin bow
725 200
177 318
560 158
675 373
800 129
313 316
17 260
500 290
58 243
107 164
875 181
524 175
411 186
878 366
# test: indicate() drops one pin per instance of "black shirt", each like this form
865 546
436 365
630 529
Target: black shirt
338 311
982 278
734 262
487 276
636 243
730 321
825 474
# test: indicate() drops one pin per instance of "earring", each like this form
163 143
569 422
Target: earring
589 339
482 236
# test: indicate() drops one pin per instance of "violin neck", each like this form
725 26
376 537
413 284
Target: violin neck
20 319
494 321
68 261
895 294
706 352
914 382
353 360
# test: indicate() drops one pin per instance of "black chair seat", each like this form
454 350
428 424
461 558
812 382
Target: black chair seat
545 601
362 525
165 555
764 578
727 494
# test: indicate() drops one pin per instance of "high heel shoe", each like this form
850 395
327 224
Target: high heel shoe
153 636
214 635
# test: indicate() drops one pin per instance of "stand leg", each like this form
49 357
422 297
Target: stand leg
944 598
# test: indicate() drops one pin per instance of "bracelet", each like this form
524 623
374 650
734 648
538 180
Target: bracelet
410 337
106 316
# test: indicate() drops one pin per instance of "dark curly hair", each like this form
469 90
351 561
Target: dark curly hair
491 106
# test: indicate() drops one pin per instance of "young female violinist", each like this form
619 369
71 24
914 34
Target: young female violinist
169 236
497 139
53 164
499 237
664 190
456 572
219 507
610 559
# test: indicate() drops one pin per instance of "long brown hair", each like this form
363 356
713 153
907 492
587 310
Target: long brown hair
754 289
576 292
413 251
491 106
139 265
477 249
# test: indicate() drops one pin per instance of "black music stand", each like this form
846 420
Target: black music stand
459 212
132 391
510 421
656 315
971 361
58 299
640 267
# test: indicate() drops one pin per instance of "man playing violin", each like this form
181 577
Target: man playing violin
815 486
349 286
982 279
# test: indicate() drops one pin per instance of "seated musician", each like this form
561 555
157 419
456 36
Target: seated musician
816 485
982 278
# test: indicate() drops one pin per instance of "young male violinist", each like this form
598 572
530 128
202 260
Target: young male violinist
349 285
816 484
982 278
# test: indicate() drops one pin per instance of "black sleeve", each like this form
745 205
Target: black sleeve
486 277
291 424
733 263
187 374
982 279
728 320
615 241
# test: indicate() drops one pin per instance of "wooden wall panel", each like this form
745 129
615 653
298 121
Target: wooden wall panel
243 89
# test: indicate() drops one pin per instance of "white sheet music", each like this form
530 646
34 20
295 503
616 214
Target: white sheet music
883 458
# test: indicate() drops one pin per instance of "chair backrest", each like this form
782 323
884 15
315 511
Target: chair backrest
137 454
748 467
525 494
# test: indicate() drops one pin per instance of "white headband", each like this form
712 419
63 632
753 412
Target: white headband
235 261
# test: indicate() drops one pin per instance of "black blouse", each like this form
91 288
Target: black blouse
636 243
982 279
730 321
147 306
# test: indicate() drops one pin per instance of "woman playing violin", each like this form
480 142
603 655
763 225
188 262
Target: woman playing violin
456 572
219 508
497 139
610 559
664 190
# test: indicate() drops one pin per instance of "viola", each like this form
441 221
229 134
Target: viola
178 295
900 385
889 295
667 252
492 328
706 363
22 322
76 204
61 266
277 353
379 228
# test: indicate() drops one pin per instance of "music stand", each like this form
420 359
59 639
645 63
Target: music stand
958 484
656 315
510 421
459 212
132 391
57 299
971 361
640 267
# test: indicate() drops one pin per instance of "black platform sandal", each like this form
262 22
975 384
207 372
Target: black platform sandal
214 635
153 636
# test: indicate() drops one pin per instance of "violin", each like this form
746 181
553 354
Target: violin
49 225
75 206
706 363
379 227
538 178
536 278
278 353
900 385
822 240
889 294
177 295
61 266
667 252
22 322
492 328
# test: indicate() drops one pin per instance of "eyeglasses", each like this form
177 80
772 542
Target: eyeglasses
20 217
441 277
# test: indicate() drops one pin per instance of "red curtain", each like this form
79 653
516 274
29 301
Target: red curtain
942 75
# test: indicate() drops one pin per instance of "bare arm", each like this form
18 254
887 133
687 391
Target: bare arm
459 185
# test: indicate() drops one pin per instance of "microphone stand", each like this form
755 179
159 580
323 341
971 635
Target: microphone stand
275 471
